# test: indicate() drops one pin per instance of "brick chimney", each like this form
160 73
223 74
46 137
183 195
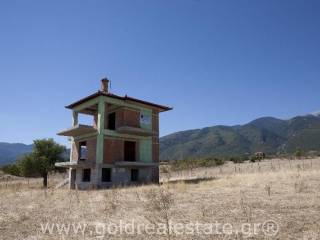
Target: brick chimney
105 85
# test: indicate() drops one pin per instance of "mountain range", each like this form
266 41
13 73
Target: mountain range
9 152
267 134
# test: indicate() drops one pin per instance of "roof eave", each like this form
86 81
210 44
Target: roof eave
99 93
83 100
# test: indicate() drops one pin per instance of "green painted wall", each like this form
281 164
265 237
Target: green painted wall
145 150
147 114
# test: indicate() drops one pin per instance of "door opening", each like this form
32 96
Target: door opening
134 175
112 121
129 151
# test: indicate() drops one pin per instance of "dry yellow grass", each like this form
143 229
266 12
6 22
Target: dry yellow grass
284 191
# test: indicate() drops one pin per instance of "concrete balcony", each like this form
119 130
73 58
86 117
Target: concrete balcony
74 164
78 130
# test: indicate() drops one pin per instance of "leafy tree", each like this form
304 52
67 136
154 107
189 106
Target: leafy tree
11 169
46 152
27 167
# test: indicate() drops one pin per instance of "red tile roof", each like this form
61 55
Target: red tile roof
125 98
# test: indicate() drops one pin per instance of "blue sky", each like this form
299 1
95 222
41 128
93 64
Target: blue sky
216 62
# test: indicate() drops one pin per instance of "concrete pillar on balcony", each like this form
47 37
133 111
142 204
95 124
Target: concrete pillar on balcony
75 117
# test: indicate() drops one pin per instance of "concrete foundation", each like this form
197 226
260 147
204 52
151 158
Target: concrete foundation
119 176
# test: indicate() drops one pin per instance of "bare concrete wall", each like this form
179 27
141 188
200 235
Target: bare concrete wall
124 117
92 146
94 181
113 150
119 176
75 151
131 118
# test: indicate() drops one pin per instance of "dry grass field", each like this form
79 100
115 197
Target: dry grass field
273 199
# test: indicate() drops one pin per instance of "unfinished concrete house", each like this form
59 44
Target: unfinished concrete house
120 147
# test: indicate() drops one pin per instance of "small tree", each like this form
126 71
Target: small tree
11 169
299 153
46 152
26 166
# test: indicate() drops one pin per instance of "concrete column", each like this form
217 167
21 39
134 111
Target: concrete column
74 122
96 175
74 118
96 171
100 129
70 179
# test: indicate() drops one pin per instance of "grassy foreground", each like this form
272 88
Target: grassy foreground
239 201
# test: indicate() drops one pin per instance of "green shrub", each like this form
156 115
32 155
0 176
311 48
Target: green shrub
12 169
299 153
195 163
237 159
219 161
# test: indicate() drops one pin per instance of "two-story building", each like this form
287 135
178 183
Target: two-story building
120 147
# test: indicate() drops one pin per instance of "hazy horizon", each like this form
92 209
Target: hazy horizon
312 113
